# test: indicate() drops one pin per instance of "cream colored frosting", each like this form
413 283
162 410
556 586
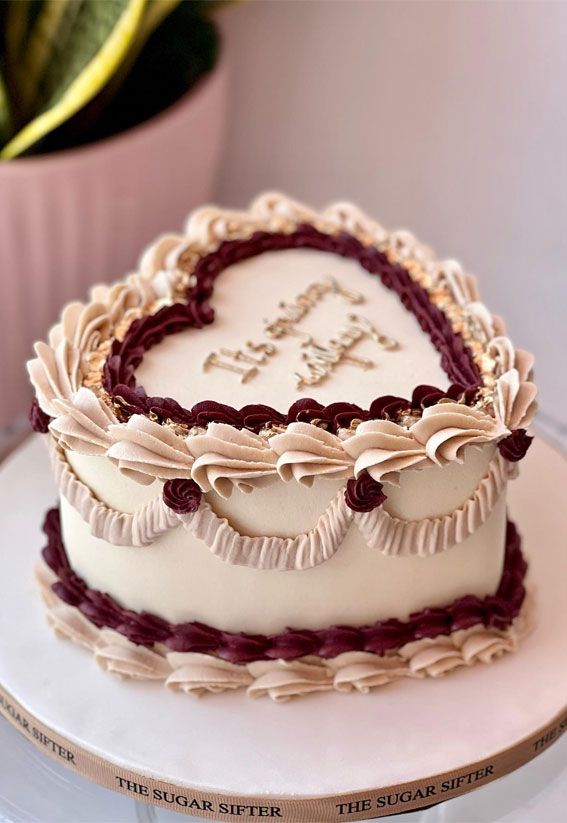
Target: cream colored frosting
115 653
305 451
502 350
226 457
284 553
124 300
343 216
158 257
60 366
83 423
222 457
119 528
55 374
281 680
273 206
507 357
463 287
446 428
394 536
82 325
208 226
144 450
284 679
383 449
483 321
515 401
200 674
524 362
362 672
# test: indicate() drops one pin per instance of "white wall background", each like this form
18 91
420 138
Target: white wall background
446 117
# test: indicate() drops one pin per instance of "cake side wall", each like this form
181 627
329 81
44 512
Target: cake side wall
178 578
286 509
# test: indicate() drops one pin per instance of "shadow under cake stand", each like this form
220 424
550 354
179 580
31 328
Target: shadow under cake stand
322 758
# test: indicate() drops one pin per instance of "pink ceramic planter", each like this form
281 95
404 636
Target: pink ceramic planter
78 217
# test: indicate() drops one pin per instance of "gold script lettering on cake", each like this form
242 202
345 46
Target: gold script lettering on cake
320 359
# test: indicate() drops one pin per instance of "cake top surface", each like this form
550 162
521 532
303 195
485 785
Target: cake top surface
274 318
266 355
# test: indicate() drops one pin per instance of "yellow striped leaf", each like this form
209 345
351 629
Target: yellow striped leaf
80 66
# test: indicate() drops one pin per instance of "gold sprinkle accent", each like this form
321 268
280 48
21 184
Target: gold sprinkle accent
177 428
270 429
196 430
408 417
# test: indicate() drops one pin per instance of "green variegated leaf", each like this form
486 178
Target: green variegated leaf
155 13
20 16
52 29
74 52
183 47
5 112
16 21
180 51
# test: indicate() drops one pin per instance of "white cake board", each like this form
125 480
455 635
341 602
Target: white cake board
299 757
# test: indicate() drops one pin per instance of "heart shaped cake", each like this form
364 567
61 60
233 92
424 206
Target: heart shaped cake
282 448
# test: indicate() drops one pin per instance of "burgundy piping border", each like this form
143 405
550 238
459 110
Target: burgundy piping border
497 611
118 377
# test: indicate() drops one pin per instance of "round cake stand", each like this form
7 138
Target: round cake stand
36 789
322 758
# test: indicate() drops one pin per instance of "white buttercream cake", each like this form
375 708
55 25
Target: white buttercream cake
282 448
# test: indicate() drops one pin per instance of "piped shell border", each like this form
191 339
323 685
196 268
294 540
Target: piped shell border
282 680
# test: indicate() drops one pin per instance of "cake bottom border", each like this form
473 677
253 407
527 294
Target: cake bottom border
430 654
144 628
199 674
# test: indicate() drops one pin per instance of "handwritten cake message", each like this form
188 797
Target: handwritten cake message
317 358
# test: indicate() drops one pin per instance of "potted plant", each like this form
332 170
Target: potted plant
111 126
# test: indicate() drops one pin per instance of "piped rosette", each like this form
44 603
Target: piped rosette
445 429
143 451
226 458
305 451
82 423
383 449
